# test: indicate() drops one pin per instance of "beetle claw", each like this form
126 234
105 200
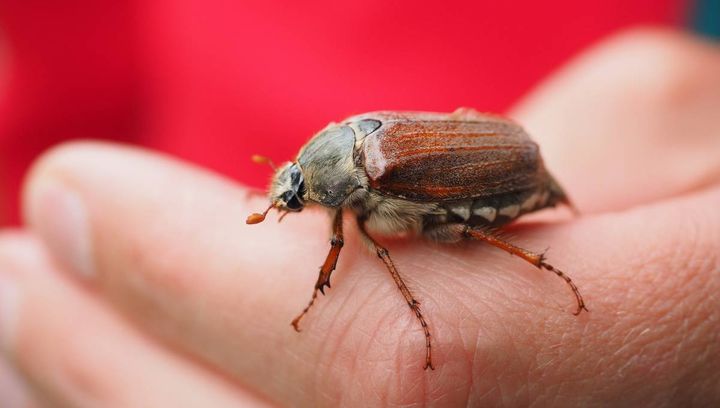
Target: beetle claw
322 286
580 308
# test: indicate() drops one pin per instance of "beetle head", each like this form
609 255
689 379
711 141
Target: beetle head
287 192
324 173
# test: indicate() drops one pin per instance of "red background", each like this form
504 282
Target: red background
214 81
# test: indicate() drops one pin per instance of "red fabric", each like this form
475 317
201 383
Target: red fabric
214 81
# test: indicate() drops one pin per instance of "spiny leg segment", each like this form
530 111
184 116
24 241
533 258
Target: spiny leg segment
383 254
536 259
336 244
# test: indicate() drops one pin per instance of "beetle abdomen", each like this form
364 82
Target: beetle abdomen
497 210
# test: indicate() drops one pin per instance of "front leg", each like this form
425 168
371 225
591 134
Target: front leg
336 244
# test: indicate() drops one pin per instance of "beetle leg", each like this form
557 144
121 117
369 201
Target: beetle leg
536 259
383 254
336 244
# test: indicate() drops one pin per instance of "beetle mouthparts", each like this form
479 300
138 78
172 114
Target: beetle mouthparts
257 218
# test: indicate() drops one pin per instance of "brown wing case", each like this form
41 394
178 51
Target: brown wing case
444 157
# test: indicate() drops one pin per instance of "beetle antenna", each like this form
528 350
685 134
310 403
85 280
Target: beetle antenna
256 218
258 159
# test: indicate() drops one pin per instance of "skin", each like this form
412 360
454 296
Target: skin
183 301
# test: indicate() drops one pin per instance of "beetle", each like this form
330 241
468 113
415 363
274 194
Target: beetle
445 177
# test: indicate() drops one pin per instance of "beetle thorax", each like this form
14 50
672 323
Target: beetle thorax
328 165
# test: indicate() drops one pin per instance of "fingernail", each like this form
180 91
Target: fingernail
60 217
9 302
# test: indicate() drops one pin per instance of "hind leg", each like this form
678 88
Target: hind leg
457 232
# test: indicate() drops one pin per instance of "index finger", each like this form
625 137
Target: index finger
168 245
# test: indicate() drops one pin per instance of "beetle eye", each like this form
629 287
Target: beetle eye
294 203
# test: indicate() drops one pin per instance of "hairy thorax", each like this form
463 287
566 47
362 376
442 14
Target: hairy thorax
391 216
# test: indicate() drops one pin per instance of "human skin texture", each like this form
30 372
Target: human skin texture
136 281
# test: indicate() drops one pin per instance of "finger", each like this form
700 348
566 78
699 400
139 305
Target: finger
632 120
75 353
169 246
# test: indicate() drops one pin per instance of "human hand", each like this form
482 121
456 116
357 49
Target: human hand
159 294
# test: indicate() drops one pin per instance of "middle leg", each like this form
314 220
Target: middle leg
383 254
